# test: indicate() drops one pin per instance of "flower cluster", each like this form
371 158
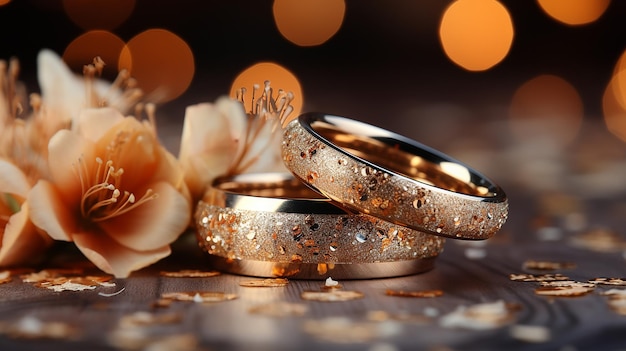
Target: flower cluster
75 166
222 139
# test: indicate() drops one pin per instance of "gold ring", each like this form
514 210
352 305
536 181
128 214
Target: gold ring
272 225
372 170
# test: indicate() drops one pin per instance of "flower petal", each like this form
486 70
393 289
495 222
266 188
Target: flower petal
21 242
170 170
154 224
49 212
239 122
63 92
139 154
65 149
93 123
207 129
267 150
234 111
208 144
113 258
12 179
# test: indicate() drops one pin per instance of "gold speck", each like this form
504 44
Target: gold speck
267 283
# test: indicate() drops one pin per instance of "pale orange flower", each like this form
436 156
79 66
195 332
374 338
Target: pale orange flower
209 141
221 138
22 162
65 94
20 242
113 190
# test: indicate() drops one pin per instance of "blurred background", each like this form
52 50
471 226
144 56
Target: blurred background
531 93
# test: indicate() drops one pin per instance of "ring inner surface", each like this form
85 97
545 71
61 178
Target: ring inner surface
271 187
393 154
275 192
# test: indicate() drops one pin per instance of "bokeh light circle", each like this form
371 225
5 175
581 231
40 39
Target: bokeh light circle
308 22
574 12
548 107
279 77
161 62
613 102
82 50
476 34
618 81
98 14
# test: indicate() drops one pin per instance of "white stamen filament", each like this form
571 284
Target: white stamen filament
263 109
101 197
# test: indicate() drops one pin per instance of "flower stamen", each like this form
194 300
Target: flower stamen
101 197
130 95
264 109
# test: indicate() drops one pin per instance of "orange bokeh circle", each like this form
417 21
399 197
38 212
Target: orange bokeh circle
476 34
96 43
279 77
161 62
308 22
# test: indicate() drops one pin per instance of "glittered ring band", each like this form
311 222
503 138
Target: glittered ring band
374 171
272 225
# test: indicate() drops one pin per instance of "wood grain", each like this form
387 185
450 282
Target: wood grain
395 323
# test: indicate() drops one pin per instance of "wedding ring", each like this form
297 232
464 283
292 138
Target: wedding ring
374 171
272 225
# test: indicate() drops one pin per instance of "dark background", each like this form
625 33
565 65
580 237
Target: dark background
385 57
386 66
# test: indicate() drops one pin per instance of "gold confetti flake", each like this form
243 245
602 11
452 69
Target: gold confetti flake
564 291
133 339
265 283
59 284
144 319
329 283
66 286
618 305
609 281
199 296
279 309
568 283
414 293
343 330
67 280
382 316
34 328
537 278
547 265
616 300
615 293
482 316
601 240
378 316
141 331
189 273
5 277
179 342
530 333
48 274
332 295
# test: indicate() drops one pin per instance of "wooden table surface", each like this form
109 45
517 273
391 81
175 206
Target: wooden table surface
130 315
551 210
557 195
